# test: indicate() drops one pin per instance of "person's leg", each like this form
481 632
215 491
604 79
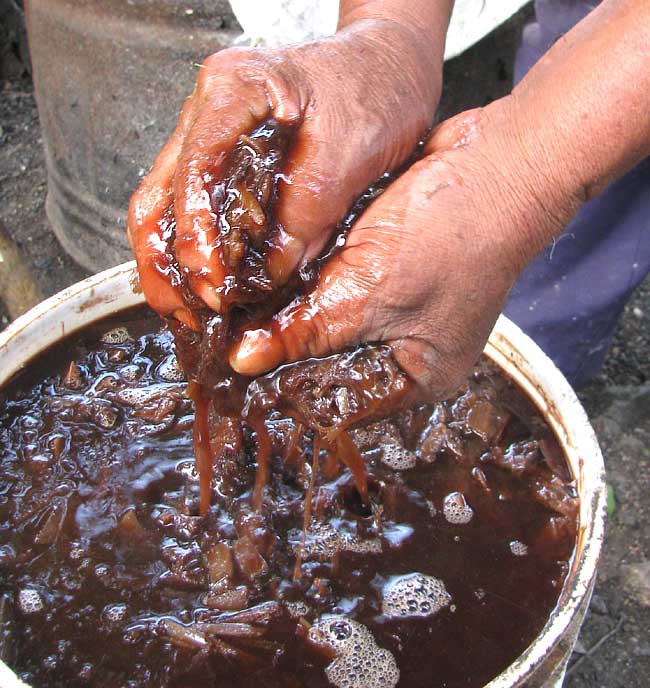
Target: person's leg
569 300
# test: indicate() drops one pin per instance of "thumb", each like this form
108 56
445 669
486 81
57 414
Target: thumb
326 321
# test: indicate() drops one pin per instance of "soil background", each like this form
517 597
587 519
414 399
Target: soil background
614 646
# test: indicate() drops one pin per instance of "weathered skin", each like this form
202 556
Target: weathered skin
341 93
428 266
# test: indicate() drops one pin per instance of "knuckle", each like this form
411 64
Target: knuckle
219 65
234 60
305 333
455 132
318 335
217 60
135 207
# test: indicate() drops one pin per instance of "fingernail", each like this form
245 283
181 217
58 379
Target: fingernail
285 255
207 292
257 352
187 318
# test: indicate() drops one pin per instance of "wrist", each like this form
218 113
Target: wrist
517 203
411 60
579 117
407 46
535 190
426 18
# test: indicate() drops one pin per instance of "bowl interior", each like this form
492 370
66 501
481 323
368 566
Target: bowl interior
509 348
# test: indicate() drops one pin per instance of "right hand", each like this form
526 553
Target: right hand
428 266
360 101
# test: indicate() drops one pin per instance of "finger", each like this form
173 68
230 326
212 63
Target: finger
154 195
151 249
319 184
146 226
455 132
344 309
284 256
231 107
214 133
311 200
329 319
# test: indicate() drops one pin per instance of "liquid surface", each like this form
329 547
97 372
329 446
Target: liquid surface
109 576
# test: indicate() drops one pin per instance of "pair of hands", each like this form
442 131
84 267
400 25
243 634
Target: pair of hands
358 116
426 268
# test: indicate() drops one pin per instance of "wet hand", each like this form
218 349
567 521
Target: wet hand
358 108
427 267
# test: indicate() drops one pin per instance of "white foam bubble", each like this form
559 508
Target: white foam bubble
138 396
397 457
456 510
359 661
370 437
415 594
339 633
297 609
350 543
105 416
363 438
323 541
188 469
518 548
118 335
170 370
113 614
130 372
30 601
77 552
431 508
375 668
101 570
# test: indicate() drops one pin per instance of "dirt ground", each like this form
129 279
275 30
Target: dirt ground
614 646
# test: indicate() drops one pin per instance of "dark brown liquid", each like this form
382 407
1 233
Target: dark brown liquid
109 576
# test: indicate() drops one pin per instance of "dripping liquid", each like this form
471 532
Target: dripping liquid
110 576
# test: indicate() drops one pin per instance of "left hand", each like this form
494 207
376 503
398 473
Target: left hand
359 101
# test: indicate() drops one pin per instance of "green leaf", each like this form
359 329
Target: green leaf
611 501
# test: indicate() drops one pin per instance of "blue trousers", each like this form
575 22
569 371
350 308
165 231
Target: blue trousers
569 300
